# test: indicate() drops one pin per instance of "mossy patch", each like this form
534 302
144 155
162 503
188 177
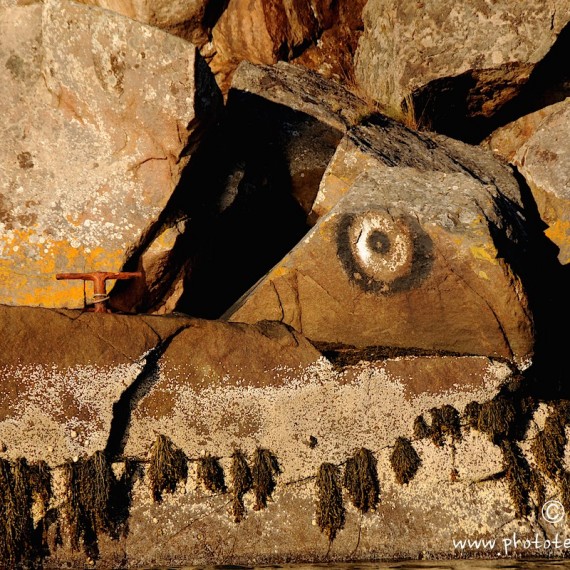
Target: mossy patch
405 460
519 476
168 467
265 468
471 414
241 481
211 474
16 525
496 418
361 480
330 515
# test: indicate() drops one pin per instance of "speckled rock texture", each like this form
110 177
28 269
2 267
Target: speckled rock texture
62 371
486 48
544 161
417 245
100 115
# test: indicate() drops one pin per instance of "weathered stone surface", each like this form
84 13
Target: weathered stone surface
62 372
187 19
506 141
367 405
544 161
266 31
418 253
100 113
301 90
418 53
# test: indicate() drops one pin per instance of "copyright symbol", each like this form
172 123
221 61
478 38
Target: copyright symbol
552 512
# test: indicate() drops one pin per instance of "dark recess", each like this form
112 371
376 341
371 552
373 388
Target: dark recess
247 192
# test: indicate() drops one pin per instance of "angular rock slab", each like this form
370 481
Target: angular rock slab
99 114
492 47
506 141
544 161
409 257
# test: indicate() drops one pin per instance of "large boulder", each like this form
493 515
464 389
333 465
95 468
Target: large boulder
418 243
63 372
100 115
440 62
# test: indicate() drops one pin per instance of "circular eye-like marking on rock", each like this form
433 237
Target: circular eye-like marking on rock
381 253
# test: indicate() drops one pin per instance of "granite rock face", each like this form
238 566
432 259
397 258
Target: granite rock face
100 114
421 251
450 58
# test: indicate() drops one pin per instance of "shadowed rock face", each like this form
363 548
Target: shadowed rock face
536 145
453 65
543 161
100 115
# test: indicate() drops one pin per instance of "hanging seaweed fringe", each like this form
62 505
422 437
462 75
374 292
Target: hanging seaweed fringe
265 468
405 460
361 480
242 482
89 484
330 515
168 467
211 474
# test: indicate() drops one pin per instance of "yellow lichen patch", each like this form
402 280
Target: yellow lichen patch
559 233
29 265
484 252
483 275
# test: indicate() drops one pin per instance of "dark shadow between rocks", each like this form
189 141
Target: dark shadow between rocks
547 283
245 196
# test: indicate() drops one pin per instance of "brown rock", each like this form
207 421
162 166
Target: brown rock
100 113
410 256
453 59
266 31
544 162
506 141
62 372
215 387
